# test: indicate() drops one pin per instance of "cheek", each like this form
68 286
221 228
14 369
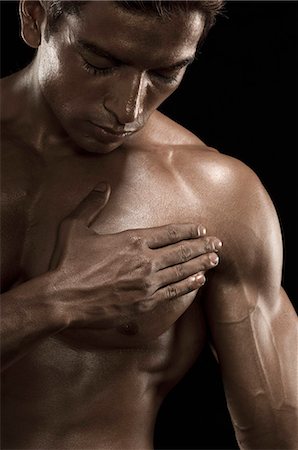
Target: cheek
60 82
50 66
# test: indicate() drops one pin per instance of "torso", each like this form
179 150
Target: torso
71 388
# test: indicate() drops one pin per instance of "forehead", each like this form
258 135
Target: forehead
137 35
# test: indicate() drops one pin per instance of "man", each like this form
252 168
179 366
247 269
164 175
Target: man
103 310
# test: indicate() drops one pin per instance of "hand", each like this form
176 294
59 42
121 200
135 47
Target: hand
103 278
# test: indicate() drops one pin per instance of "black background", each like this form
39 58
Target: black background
240 97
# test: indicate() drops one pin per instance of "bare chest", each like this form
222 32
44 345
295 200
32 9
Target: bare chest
143 195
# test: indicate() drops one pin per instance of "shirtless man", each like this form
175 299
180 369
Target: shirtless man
104 249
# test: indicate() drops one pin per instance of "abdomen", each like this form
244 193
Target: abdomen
60 391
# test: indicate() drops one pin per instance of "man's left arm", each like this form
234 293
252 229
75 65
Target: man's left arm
254 326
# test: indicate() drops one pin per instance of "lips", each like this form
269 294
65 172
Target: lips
113 132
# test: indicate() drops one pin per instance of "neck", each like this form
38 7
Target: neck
30 114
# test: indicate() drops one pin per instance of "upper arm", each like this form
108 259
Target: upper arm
251 260
252 322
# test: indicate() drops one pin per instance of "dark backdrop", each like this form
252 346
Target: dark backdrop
240 97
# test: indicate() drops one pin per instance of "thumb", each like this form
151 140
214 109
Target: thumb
90 207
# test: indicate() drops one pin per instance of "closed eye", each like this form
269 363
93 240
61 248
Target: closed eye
172 75
167 78
97 70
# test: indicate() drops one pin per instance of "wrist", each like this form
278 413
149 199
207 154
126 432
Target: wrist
53 299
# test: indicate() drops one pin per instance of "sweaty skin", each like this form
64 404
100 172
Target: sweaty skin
96 329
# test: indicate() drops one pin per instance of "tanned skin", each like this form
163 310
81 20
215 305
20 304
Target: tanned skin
104 247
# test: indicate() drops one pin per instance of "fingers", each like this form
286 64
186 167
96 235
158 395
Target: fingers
183 287
185 251
181 271
89 208
170 234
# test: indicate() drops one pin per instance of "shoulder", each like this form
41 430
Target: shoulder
225 180
232 199
234 205
243 216
192 156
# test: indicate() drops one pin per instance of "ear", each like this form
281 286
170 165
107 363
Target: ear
32 15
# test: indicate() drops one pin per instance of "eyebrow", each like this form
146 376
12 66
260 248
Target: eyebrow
98 51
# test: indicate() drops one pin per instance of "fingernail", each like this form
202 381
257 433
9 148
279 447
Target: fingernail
101 187
218 244
200 279
214 258
201 230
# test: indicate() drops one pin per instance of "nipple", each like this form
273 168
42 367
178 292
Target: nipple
128 329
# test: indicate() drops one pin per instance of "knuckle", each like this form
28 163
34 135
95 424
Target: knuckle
135 240
154 266
208 244
171 292
147 266
179 271
172 233
145 305
142 306
146 285
185 253
136 263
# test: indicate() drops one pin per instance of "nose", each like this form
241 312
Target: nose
126 100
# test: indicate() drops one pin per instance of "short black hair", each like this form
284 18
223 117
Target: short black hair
160 8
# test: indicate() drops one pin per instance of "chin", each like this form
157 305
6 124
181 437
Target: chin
90 145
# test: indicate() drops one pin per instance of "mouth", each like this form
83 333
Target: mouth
113 132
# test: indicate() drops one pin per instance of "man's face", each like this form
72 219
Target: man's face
104 73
